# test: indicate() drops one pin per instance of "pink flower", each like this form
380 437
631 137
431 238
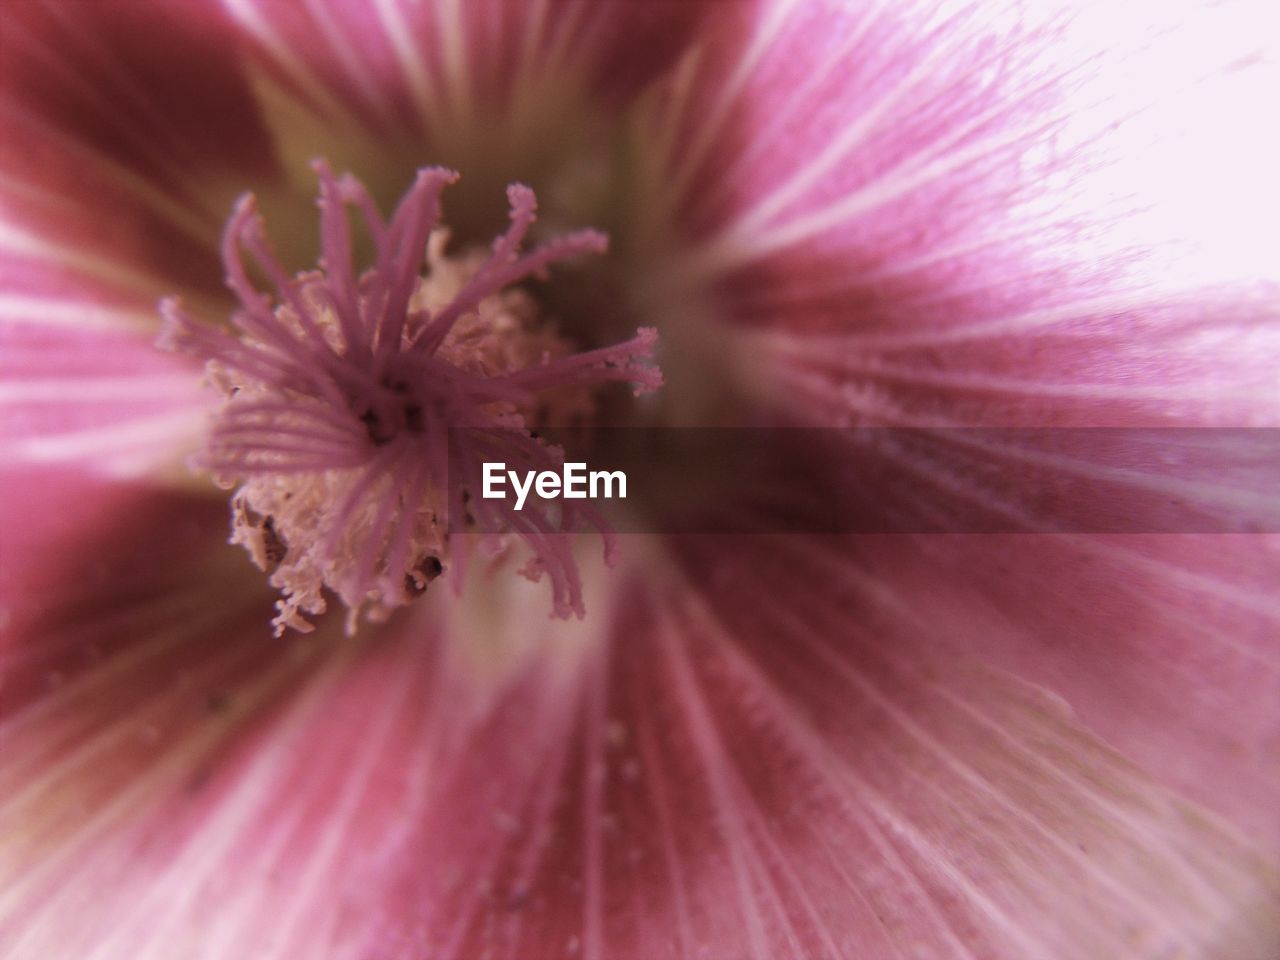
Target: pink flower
862 746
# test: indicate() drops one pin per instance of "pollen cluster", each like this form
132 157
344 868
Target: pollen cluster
357 410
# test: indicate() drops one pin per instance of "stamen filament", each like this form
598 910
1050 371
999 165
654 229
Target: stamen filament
343 396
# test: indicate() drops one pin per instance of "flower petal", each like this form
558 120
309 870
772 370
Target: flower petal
949 215
993 214
734 774
124 127
124 627
130 127
1163 644
79 386
80 378
392 64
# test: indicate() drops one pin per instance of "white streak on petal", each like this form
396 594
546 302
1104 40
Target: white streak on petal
532 40
593 812
815 76
935 858
847 359
193 869
55 390
1001 834
753 221
371 97
295 927
120 275
728 92
746 240
49 938
568 38
176 609
733 832
203 229
453 41
59 65
327 106
128 449
409 59
74 314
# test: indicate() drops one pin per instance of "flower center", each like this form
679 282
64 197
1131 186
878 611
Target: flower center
357 410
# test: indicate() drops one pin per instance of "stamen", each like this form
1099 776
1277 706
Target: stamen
341 391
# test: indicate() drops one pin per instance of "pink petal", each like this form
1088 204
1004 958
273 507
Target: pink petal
722 776
129 128
81 383
153 85
933 216
433 68
989 213
804 750
118 119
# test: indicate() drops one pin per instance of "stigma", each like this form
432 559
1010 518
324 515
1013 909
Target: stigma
356 408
